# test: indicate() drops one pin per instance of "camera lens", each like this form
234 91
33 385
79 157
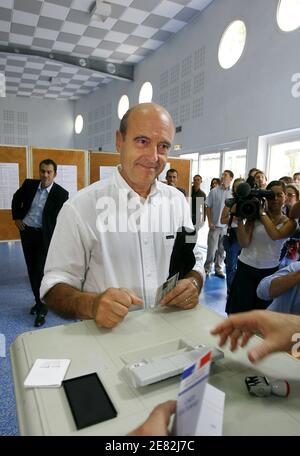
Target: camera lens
248 209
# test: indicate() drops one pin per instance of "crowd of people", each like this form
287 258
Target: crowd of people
255 230
101 264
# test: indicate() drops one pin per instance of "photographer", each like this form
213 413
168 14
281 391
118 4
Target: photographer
261 240
230 241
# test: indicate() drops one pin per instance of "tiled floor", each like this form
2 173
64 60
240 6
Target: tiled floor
15 301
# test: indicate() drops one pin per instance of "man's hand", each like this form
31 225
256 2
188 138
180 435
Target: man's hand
184 295
211 226
111 307
20 225
276 328
158 420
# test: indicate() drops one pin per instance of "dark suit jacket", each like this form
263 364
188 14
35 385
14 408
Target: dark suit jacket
22 201
183 259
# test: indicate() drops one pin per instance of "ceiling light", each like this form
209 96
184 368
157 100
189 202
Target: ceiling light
111 68
100 10
82 62
177 146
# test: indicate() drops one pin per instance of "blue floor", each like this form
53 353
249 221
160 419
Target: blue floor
15 301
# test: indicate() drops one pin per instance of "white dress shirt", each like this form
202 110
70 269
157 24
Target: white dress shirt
107 236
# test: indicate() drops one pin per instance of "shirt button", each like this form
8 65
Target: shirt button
146 242
149 274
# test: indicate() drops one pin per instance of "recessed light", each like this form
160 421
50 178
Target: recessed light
111 68
82 62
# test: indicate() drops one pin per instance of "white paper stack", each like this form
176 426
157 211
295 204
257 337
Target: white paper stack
47 373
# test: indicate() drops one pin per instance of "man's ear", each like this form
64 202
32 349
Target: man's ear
119 140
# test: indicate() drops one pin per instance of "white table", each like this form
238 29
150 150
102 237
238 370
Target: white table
91 349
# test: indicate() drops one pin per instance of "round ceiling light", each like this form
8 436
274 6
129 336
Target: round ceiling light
288 15
82 62
146 93
232 44
111 68
78 124
123 106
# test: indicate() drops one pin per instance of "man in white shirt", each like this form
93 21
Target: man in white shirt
114 241
215 203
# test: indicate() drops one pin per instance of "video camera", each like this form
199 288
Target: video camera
248 201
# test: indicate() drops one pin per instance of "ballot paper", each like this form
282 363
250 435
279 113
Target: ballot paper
47 373
165 288
200 406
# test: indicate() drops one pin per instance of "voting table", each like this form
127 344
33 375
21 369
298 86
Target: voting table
45 411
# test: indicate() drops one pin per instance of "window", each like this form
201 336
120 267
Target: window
146 93
209 167
232 44
288 15
284 160
123 106
235 160
212 164
78 124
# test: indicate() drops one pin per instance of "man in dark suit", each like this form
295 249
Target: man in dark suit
35 207
172 178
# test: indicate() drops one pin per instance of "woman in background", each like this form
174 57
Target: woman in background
215 182
290 249
261 241
260 180
292 196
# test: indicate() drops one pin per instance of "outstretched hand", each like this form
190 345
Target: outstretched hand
277 330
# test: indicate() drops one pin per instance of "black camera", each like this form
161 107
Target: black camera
248 201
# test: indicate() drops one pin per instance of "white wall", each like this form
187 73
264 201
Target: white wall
36 122
251 99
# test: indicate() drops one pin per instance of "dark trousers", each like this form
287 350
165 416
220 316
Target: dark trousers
232 249
35 257
242 296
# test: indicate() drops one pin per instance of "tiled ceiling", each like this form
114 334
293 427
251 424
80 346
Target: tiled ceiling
64 27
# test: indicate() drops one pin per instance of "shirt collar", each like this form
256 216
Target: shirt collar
121 183
225 188
47 188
